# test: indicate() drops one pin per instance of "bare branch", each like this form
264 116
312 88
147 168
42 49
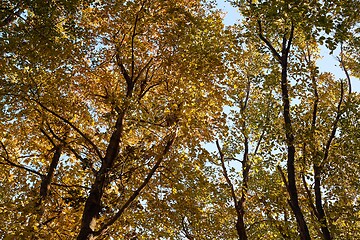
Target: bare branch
132 45
49 220
147 65
248 85
233 159
85 161
289 42
48 137
308 193
259 142
13 14
70 186
124 72
148 89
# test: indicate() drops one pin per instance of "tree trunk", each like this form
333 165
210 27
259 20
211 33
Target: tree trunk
294 202
93 203
46 181
240 225
319 208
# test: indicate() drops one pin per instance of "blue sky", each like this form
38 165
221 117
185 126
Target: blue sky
328 63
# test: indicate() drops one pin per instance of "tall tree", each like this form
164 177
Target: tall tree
283 30
110 112
131 85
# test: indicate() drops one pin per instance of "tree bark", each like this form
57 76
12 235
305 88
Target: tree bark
93 203
46 180
291 186
318 203
318 209
294 202
240 225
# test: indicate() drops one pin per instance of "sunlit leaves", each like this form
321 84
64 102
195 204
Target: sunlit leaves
72 70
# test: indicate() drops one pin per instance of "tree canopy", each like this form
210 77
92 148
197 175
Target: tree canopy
152 120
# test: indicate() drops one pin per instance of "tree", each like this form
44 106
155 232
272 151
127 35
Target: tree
282 20
109 110
150 120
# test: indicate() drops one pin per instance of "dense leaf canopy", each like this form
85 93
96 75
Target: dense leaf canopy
152 120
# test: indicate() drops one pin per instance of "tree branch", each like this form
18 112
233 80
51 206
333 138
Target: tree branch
9 162
13 14
282 174
342 63
72 126
85 161
289 42
334 128
158 161
70 186
231 186
269 45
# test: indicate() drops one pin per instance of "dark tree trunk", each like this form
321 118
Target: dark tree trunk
93 203
318 209
240 225
318 203
282 59
291 185
46 181
294 202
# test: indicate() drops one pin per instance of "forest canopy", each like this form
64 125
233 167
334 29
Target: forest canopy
139 119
